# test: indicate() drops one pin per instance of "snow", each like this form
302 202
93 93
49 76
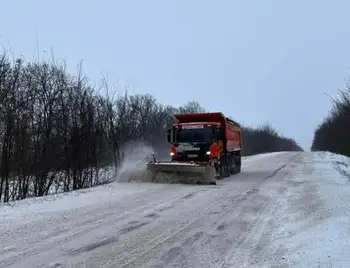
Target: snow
319 236
284 210
261 156
105 175
76 199
26 209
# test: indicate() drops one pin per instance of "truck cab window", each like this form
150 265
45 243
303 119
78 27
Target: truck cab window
194 135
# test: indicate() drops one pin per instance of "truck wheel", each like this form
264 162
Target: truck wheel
220 175
217 168
224 167
239 168
227 170
232 165
239 164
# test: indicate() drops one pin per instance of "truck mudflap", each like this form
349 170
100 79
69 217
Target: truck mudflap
182 172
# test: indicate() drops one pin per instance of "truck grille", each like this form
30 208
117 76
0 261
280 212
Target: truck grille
192 156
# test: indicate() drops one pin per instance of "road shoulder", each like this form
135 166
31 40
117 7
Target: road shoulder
313 223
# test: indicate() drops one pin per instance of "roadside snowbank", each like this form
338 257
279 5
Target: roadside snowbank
56 186
28 208
340 162
260 156
314 228
113 192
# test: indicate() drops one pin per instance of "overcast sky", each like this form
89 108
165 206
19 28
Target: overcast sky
256 61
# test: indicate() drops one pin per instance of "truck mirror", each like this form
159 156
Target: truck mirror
168 136
220 133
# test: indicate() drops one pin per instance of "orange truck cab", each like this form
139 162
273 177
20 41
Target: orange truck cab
207 138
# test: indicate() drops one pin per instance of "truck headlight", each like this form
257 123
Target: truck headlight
208 153
172 154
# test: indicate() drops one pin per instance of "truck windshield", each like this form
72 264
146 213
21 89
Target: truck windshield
204 134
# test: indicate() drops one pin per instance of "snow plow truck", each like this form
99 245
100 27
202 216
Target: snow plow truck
204 147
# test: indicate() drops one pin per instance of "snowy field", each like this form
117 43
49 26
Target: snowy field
283 210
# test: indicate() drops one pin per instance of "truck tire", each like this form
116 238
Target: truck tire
224 167
238 168
239 163
233 167
221 173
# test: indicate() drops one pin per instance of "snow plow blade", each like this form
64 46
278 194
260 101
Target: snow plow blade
182 172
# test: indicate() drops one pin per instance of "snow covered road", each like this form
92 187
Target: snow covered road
284 210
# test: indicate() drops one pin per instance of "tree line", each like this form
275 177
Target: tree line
333 134
59 131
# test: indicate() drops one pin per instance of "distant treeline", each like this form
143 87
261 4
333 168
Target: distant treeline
333 134
58 129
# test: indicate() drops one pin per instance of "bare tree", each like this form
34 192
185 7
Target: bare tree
59 133
334 132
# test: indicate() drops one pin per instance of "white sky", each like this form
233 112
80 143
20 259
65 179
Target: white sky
256 61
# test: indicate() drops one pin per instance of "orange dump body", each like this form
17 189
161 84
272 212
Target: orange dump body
232 130
204 147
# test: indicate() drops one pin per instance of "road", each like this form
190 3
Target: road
232 224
